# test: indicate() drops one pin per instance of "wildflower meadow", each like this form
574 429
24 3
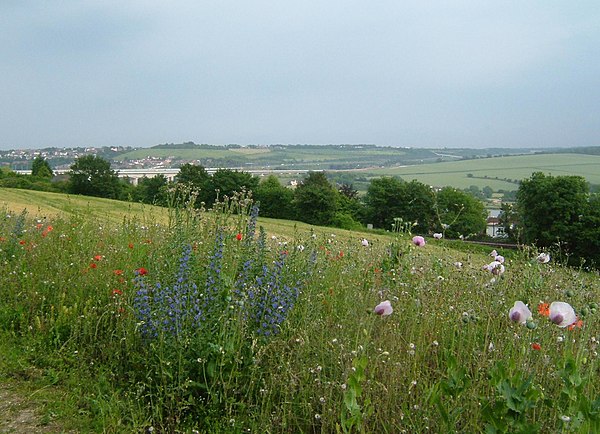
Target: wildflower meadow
212 323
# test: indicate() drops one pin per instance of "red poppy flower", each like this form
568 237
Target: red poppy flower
535 346
49 229
97 257
39 226
141 271
239 236
576 325
118 272
93 265
544 309
130 245
44 233
117 292
22 242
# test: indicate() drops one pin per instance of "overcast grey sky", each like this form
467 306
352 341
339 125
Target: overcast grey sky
424 73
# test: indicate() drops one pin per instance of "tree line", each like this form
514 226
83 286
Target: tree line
550 212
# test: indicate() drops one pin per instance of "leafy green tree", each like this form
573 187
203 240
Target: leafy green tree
459 213
509 220
199 179
276 201
381 201
388 198
316 200
549 208
586 246
418 201
227 182
152 190
487 192
41 168
92 176
348 191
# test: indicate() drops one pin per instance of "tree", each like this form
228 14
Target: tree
587 230
381 201
389 198
348 191
549 208
197 178
315 200
41 168
92 176
487 192
152 190
275 199
228 182
459 213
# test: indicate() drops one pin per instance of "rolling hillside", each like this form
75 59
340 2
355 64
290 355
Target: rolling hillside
497 172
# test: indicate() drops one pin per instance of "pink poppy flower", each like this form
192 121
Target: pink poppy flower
562 314
520 313
384 308
495 267
418 241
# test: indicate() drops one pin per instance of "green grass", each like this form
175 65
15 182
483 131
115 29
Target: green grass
44 204
447 359
493 171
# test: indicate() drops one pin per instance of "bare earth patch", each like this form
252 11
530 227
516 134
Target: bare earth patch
19 414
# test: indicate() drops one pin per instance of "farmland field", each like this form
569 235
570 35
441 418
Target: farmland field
494 171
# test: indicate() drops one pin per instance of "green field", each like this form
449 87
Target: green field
493 172
44 204
304 156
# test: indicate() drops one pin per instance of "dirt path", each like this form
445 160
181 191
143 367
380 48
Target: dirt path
20 414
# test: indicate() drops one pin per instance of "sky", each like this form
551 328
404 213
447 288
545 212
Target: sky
424 73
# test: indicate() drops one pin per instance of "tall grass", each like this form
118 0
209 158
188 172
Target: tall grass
209 324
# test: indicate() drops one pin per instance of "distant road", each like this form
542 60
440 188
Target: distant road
135 174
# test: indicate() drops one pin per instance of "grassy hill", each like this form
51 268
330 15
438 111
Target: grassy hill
44 204
40 204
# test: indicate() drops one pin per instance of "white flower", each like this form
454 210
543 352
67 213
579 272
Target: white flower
562 314
520 313
543 258
437 236
364 242
495 267
458 265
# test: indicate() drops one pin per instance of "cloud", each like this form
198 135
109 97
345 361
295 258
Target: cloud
422 74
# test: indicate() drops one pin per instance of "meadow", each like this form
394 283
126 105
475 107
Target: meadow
214 321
